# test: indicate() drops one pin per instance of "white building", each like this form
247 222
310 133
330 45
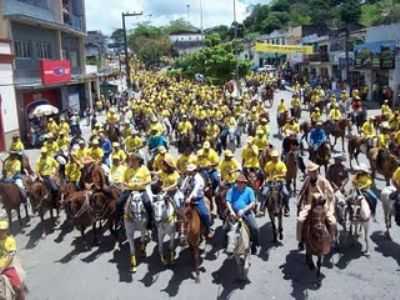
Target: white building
8 108
187 42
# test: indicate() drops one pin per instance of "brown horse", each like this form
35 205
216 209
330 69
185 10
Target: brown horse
321 156
93 176
42 199
11 199
193 229
220 201
356 145
338 130
79 211
316 236
291 174
385 163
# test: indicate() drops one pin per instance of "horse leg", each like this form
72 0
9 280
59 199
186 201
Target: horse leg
27 212
280 226
143 241
130 235
196 258
246 266
160 246
239 267
319 263
343 146
172 246
309 260
9 215
94 228
19 215
274 231
366 227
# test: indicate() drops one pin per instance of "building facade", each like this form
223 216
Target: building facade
51 30
186 42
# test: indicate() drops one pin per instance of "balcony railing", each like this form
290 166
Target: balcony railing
318 57
73 21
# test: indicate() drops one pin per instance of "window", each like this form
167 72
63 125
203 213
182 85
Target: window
39 3
23 49
43 50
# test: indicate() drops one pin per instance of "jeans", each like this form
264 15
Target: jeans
203 213
213 176
123 198
250 221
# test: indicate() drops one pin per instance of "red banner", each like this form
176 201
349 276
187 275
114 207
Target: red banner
55 71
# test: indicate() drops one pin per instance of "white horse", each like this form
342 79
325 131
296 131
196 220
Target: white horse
136 219
239 247
388 208
359 214
165 218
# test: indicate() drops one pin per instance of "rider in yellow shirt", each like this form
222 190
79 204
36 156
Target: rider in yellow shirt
384 136
185 159
386 111
315 116
229 168
208 161
73 169
185 127
368 131
63 141
282 107
133 142
335 115
250 152
17 145
261 140
47 169
118 151
64 128
51 144
96 152
52 127
363 181
117 171
275 172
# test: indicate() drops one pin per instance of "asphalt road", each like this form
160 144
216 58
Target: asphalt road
61 267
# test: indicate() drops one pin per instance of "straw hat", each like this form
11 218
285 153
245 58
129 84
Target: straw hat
312 167
169 161
191 167
274 153
228 153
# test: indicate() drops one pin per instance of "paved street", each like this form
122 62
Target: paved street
61 267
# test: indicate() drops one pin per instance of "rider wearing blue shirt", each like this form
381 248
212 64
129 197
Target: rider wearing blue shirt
317 136
155 141
241 201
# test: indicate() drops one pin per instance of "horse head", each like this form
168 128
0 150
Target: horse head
38 194
354 205
275 201
136 206
233 236
161 207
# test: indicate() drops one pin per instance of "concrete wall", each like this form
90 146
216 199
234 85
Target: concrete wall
29 68
186 37
7 93
383 33
14 7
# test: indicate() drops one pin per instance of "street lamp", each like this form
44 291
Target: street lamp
128 68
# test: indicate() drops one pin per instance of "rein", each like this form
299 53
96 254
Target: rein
84 208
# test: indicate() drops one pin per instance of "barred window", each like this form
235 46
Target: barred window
23 49
43 50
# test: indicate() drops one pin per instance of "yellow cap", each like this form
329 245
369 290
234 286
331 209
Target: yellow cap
4 225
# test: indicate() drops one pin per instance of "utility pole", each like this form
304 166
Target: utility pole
188 12
201 17
236 52
127 66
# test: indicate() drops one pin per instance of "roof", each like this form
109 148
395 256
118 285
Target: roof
183 32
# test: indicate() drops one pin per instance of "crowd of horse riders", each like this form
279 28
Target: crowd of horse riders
128 176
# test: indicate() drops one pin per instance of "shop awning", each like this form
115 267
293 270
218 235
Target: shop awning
376 47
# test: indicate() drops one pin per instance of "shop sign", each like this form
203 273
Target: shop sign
55 71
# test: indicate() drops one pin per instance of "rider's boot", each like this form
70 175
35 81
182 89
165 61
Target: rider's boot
133 263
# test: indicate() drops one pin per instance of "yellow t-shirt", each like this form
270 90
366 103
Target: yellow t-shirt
17 146
168 179
383 141
73 172
96 154
137 179
12 167
133 143
282 107
8 246
184 160
207 159
117 174
275 170
368 129
47 166
250 156
185 127
396 176
335 114
229 170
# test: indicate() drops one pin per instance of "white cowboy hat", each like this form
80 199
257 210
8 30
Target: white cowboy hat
362 168
312 167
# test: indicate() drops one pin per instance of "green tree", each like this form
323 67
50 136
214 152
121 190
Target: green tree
118 35
179 25
150 43
222 30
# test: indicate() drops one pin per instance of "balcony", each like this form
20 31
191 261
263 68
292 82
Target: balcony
319 57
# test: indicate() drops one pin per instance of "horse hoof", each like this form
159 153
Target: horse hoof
197 280
134 269
281 237
387 236
163 261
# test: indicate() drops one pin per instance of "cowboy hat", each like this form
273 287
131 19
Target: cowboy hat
228 153
162 149
169 161
274 153
312 167
207 145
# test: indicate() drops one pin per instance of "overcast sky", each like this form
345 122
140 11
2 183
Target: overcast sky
104 16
